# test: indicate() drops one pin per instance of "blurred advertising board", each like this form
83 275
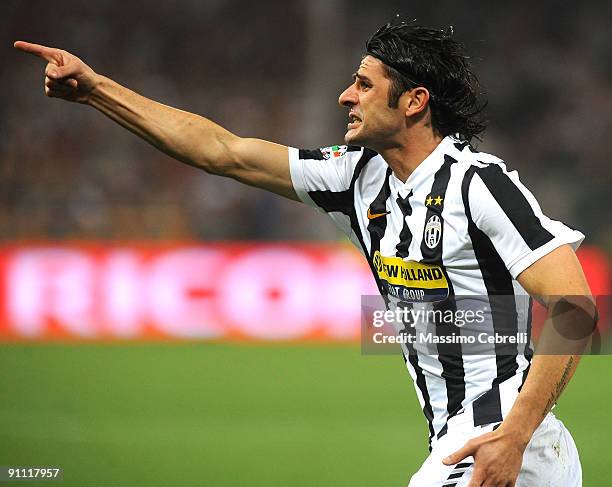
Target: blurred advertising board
219 291
212 291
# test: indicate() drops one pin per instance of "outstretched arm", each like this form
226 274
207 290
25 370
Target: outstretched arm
190 138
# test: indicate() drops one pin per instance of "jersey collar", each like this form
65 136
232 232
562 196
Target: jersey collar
429 166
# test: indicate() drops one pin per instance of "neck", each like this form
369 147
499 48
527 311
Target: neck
406 157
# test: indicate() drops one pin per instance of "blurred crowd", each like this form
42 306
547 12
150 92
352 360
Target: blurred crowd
274 70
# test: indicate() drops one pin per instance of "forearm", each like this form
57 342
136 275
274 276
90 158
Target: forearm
548 376
568 328
182 135
185 136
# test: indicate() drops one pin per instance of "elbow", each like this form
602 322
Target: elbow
220 157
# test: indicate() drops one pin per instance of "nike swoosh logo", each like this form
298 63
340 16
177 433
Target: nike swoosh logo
371 215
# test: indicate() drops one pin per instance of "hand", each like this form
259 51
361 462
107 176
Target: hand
66 76
497 459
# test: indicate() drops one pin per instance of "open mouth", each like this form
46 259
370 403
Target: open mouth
354 121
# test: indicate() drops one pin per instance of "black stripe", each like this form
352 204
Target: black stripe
365 158
525 374
457 475
422 385
451 359
443 431
378 226
528 349
405 236
449 354
487 408
318 155
311 154
367 155
341 201
420 376
462 145
515 206
438 189
498 282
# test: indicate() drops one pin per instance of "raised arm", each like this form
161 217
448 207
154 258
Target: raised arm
190 138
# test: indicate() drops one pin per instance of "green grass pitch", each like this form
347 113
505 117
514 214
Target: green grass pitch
229 415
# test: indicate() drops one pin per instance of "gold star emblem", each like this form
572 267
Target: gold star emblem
428 201
438 200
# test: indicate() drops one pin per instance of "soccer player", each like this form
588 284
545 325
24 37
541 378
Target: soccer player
412 194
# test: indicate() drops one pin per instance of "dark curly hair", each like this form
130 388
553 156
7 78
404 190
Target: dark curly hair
419 56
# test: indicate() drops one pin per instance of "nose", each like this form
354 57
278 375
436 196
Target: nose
348 97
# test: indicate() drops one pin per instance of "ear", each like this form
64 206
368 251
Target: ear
414 101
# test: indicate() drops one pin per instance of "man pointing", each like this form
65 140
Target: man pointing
411 193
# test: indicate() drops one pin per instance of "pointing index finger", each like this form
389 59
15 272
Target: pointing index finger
47 53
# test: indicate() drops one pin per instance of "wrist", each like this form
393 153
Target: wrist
97 86
519 434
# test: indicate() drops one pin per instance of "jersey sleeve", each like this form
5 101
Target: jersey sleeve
322 179
509 215
323 172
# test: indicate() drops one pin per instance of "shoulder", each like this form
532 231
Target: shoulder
470 158
485 182
475 165
347 153
350 157
334 168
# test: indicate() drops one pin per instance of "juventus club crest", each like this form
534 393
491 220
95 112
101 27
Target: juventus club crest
433 231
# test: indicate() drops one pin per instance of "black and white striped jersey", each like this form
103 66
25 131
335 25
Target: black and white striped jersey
461 225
